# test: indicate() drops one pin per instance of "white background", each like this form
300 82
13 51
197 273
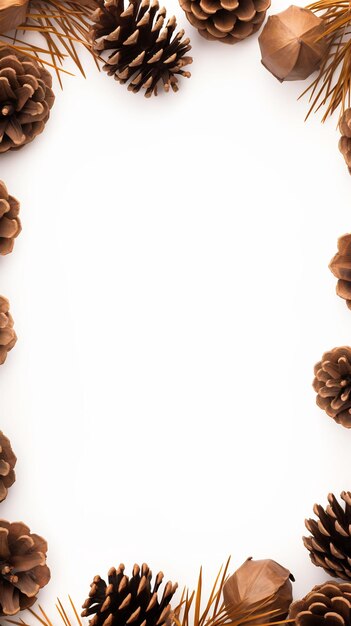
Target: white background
171 294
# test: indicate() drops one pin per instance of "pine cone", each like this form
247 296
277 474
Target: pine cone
340 265
328 604
229 21
126 600
23 569
26 98
330 542
143 52
10 225
332 383
7 463
8 336
345 139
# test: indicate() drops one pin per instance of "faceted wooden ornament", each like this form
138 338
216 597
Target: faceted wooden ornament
290 45
12 14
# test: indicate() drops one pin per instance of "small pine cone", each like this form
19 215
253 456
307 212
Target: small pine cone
8 336
10 225
340 265
330 542
7 463
345 139
332 384
229 21
328 604
26 98
23 569
125 601
144 52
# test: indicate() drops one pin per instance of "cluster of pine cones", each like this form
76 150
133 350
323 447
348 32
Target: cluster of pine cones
142 49
23 569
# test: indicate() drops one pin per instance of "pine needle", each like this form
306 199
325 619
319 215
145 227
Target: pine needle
44 620
63 25
332 86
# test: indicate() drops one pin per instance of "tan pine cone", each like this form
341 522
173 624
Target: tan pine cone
124 601
8 336
23 569
328 604
332 384
144 50
228 21
7 463
10 225
330 542
345 139
26 98
340 266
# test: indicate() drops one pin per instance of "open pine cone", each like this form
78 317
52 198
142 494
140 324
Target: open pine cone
10 225
332 384
8 336
23 569
229 21
330 542
143 51
7 463
26 98
345 139
328 604
125 601
340 265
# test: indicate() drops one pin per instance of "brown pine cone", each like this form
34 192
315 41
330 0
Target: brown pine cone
23 569
340 265
8 336
332 383
7 463
125 601
328 604
345 139
229 21
330 542
10 225
144 51
26 98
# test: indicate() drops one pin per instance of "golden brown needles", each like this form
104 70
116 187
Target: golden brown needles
189 612
63 24
331 88
41 617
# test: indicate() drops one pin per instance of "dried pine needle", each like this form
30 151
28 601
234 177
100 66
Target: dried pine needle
41 616
63 25
332 86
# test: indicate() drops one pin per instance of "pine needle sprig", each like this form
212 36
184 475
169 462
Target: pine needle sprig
332 86
41 617
215 613
63 24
